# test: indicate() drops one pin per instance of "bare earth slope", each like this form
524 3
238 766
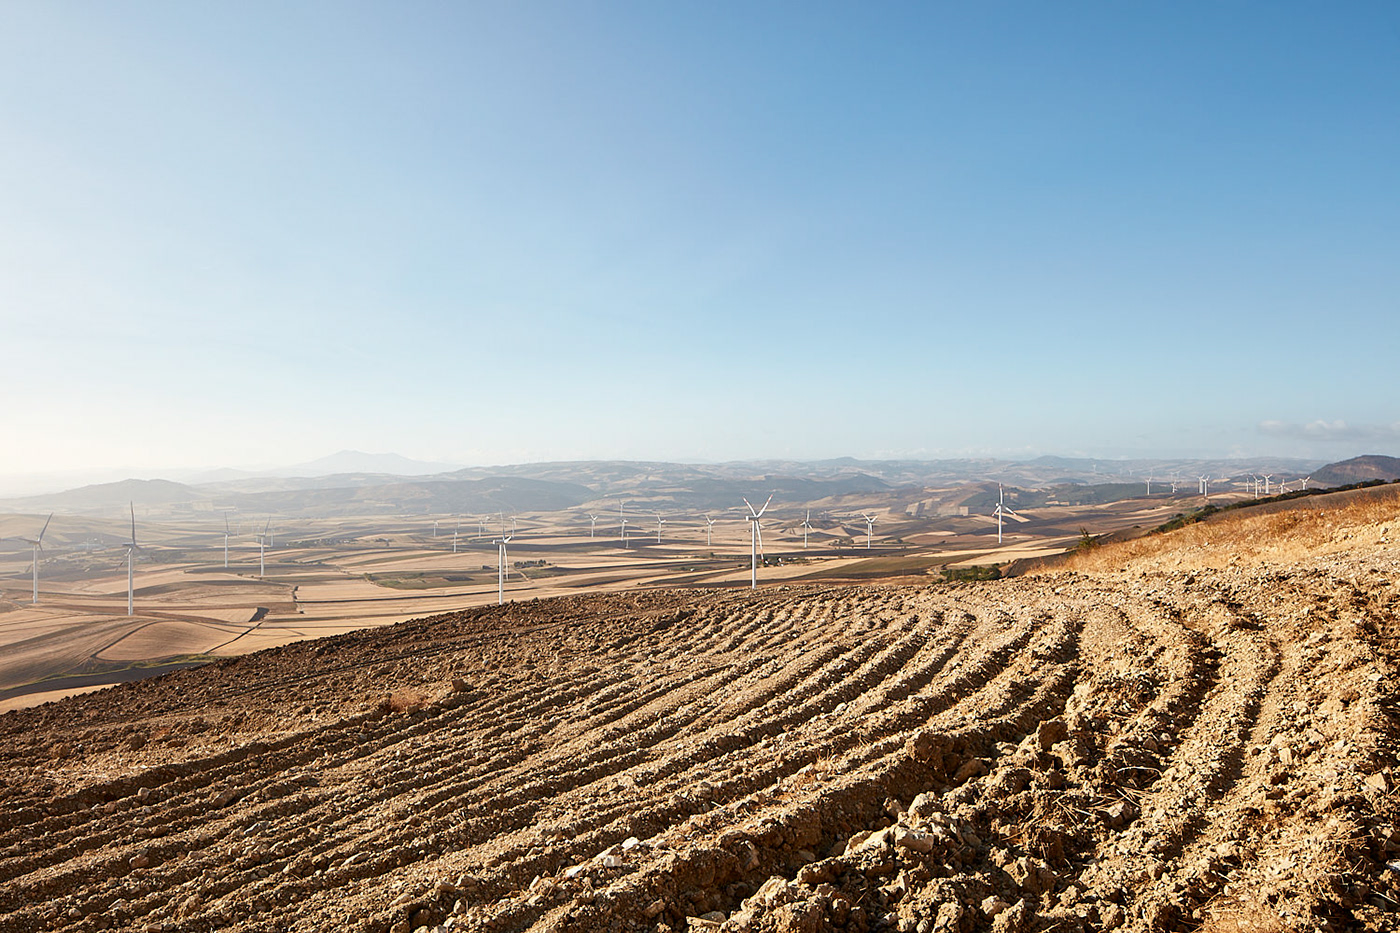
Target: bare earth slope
1145 750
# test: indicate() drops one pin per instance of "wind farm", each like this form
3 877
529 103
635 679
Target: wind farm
188 584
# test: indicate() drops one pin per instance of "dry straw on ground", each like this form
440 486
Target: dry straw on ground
1276 537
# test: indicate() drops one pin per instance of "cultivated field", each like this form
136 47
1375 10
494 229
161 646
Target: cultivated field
322 576
1198 736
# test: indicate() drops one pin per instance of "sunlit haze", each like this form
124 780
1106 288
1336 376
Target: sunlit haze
256 233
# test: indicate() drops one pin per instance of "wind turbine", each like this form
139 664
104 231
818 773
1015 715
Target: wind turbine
131 550
480 527
1001 510
38 545
709 530
225 540
262 541
501 574
1267 478
1149 484
659 522
435 524
756 536
870 528
454 535
1305 481
806 527
623 519
592 525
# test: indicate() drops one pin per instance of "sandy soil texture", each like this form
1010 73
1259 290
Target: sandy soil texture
1157 749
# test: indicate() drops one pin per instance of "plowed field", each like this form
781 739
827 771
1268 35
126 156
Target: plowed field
1159 750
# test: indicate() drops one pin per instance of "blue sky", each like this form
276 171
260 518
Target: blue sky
255 233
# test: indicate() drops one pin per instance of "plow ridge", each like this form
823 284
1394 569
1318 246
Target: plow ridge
1154 752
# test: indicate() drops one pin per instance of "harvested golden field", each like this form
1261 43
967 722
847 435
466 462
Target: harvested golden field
1140 746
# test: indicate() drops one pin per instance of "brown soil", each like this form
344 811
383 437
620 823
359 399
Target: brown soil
1156 749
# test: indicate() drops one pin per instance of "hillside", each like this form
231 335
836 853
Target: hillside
1183 738
1358 470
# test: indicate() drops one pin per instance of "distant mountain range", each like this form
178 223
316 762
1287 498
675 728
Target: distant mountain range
389 483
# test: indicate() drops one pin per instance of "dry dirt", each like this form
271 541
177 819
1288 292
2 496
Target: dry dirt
1164 748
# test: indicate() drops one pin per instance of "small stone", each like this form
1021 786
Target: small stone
1050 732
654 908
993 905
913 840
141 860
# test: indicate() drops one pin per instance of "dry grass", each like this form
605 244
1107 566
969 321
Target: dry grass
1240 919
1277 537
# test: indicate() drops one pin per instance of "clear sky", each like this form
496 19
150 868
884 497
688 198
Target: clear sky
249 233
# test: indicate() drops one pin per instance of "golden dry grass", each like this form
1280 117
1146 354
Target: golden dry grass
1271 538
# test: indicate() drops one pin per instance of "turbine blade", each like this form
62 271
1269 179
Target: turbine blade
133 523
46 526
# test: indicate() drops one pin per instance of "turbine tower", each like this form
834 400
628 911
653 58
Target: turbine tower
757 535
806 527
869 529
225 540
501 574
454 535
131 549
709 530
621 517
1149 484
38 545
1001 510
262 542
659 522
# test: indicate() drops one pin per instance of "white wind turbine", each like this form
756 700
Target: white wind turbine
1268 478
592 525
869 529
806 527
226 533
659 522
1001 510
480 527
709 530
501 574
456 529
1149 484
435 524
622 534
757 535
38 545
131 549
262 547
1305 481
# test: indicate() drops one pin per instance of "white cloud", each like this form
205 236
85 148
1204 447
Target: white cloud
1331 431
